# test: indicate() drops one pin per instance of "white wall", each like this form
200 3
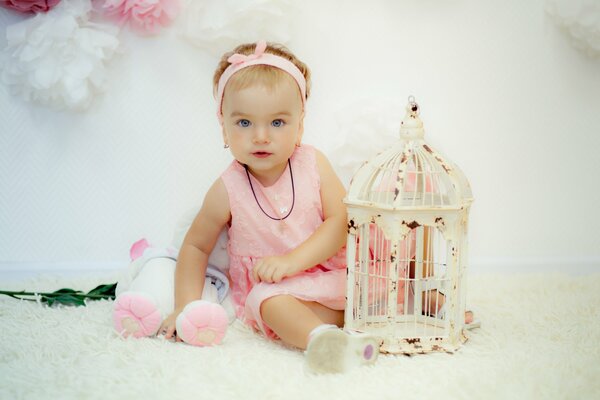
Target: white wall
502 91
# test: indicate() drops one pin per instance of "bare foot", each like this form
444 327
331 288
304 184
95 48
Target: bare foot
432 302
433 298
468 317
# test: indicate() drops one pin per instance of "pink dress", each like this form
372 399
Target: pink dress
253 235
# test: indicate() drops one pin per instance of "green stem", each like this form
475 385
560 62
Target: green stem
85 296
15 297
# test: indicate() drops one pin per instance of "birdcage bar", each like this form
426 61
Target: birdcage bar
382 189
418 270
350 310
462 284
363 271
408 244
382 272
365 279
414 174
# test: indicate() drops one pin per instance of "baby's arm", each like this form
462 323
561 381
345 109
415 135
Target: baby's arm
326 241
197 246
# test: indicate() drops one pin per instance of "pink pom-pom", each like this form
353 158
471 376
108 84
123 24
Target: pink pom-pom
29 6
146 16
202 323
135 314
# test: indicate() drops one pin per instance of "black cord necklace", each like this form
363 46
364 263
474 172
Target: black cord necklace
256 198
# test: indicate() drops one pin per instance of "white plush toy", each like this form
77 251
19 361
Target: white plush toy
146 292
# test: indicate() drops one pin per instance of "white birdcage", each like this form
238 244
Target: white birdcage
407 246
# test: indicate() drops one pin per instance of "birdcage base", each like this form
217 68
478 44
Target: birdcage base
421 345
415 338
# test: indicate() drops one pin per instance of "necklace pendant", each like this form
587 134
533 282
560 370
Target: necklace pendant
283 210
281 226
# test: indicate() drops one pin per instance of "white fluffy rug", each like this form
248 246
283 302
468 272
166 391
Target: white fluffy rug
540 339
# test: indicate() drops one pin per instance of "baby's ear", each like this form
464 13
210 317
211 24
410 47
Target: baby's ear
223 133
301 126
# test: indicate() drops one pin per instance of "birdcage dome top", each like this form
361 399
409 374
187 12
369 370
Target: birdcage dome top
410 174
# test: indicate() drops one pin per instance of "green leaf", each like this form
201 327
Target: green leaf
104 290
67 290
65 299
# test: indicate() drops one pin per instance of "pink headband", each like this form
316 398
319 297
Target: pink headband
241 61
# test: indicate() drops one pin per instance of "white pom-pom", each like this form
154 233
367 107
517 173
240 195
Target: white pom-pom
58 58
218 26
581 20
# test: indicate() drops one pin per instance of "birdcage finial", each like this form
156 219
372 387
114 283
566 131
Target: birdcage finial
412 126
412 107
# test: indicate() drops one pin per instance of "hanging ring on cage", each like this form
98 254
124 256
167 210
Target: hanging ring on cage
413 106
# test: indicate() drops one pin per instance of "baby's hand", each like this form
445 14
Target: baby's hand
168 326
273 269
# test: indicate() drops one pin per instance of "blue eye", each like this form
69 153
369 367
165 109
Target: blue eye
278 123
244 123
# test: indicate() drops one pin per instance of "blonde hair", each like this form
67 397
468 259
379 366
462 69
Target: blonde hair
264 74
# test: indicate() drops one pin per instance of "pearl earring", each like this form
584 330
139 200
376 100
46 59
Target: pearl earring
225 146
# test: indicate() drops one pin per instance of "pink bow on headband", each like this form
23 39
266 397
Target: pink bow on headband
237 58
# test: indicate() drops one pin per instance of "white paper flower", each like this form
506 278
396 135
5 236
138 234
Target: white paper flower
581 20
219 25
365 128
58 58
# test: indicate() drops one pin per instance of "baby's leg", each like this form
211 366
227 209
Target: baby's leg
433 302
293 319
312 326
326 314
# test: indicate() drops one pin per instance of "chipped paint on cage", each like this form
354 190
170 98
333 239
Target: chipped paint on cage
442 162
422 346
412 224
406 155
352 227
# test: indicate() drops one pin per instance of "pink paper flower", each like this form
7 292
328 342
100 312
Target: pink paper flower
146 16
27 6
